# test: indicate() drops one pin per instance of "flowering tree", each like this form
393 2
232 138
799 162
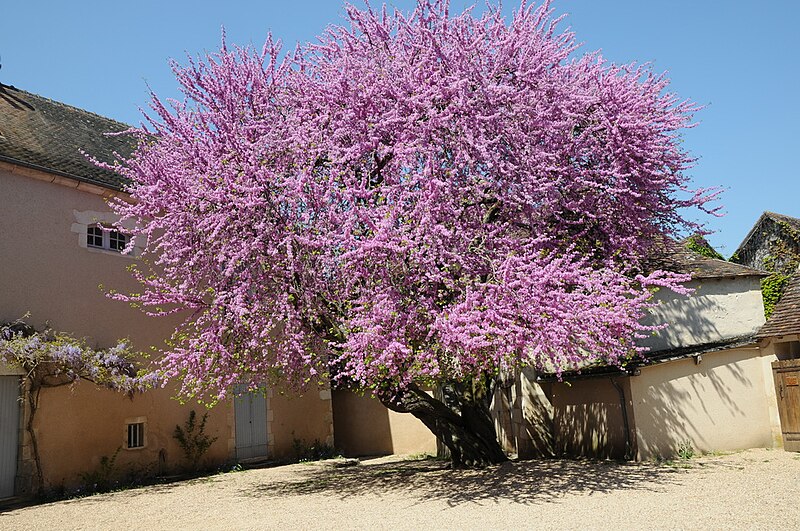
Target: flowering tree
415 200
51 359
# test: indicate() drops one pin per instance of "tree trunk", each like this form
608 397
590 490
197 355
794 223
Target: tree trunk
461 422
33 402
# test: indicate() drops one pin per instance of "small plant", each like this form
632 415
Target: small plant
316 451
685 450
698 244
99 480
772 288
193 440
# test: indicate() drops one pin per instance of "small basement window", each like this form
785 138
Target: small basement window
136 435
98 237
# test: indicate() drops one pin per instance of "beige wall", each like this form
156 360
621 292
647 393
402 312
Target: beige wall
523 416
44 270
726 402
718 309
47 270
306 418
77 426
364 426
588 417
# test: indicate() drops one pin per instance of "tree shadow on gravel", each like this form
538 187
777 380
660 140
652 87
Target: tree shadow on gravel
523 482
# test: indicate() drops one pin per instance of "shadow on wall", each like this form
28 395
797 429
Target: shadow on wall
717 310
719 404
680 402
588 418
523 417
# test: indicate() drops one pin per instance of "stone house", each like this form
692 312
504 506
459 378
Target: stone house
770 243
54 255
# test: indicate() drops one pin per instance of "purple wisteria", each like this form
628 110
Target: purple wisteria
416 198
52 359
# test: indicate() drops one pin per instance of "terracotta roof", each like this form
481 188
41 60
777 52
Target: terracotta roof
47 135
785 319
677 258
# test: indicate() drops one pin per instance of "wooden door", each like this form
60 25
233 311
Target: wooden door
787 389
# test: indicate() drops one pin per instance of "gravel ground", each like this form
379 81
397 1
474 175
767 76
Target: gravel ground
756 489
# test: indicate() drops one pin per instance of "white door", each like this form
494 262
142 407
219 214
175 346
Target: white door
9 433
250 409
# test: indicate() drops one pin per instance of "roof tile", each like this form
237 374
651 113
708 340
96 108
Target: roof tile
785 318
44 134
677 258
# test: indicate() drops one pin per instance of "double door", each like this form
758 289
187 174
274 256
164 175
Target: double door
250 409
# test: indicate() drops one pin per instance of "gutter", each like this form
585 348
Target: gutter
59 173
633 368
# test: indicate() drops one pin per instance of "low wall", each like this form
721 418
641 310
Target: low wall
364 426
77 426
725 402
298 420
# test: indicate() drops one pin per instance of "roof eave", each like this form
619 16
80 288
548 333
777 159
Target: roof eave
60 173
653 358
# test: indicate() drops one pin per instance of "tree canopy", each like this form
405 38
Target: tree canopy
414 198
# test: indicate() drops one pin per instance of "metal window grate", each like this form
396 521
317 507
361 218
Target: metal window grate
136 435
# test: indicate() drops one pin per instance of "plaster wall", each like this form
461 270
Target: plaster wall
306 419
523 416
77 426
724 403
588 417
718 309
364 426
46 269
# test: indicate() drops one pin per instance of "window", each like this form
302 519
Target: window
117 241
98 237
136 435
94 237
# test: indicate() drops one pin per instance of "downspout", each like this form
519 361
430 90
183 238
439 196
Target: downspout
626 424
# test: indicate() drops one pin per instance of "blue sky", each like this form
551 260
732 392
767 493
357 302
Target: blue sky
739 59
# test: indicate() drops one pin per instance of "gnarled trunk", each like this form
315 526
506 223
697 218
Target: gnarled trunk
461 421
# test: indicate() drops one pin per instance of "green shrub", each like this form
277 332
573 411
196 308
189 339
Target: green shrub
772 287
193 440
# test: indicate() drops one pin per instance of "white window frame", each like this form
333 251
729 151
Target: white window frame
107 220
109 238
136 421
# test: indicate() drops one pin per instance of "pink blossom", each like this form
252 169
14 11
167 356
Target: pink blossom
414 197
